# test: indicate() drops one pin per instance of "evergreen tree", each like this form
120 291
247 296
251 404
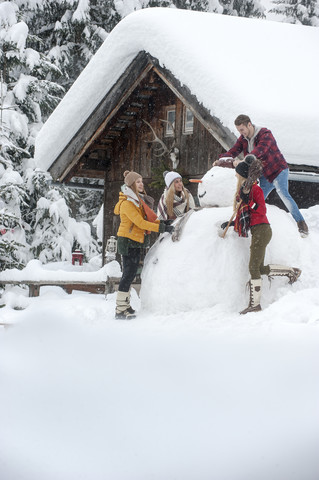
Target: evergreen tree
27 93
69 32
243 8
55 232
304 12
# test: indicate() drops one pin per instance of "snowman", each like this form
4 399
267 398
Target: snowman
217 187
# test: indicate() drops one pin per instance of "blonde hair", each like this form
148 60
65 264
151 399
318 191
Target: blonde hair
170 199
240 181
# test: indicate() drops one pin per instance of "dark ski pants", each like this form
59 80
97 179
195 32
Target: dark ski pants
260 237
130 265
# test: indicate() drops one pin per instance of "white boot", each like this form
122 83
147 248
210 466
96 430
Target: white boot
122 311
255 294
281 271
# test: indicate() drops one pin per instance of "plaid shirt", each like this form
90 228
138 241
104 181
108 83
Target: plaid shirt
266 149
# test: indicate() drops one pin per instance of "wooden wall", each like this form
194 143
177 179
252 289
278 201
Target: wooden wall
135 151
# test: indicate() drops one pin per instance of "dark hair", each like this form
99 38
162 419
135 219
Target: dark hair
242 120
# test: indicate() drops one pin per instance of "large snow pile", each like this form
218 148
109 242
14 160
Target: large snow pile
275 81
203 270
189 389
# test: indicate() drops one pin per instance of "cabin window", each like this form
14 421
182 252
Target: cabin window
188 124
170 121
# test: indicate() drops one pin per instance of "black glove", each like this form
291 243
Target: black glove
168 222
224 225
244 196
164 227
169 228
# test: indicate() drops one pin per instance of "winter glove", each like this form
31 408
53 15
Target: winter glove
169 228
168 222
224 225
164 227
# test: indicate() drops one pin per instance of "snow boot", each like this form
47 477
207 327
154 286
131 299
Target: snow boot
255 294
281 271
130 309
303 228
123 309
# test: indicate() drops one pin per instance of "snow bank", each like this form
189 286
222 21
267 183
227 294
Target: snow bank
36 271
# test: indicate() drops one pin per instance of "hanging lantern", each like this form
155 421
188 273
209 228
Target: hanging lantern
77 257
111 249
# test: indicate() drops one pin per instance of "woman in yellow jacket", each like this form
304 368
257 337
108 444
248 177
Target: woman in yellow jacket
137 220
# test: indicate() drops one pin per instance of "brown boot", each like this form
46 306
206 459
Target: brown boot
281 271
303 228
255 294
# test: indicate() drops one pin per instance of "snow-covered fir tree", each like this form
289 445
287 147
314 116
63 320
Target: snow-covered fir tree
304 12
28 95
56 234
70 31
20 75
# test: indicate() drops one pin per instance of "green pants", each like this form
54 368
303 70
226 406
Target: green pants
260 237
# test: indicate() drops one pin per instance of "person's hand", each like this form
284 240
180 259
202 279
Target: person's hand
215 163
169 228
164 227
236 162
168 221
224 225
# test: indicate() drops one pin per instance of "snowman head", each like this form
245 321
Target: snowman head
217 188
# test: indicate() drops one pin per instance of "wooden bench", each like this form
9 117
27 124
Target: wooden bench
90 286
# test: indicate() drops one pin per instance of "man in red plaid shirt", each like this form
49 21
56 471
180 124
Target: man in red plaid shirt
261 143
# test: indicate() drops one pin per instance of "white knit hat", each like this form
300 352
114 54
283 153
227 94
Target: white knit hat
169 177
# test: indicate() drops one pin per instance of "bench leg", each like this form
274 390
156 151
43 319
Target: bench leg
34 290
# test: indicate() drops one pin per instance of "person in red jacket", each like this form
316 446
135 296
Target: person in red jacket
250 208
261 143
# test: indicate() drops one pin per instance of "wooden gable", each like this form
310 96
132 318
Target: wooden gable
113 137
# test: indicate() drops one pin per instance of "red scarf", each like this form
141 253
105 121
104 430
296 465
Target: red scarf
149 213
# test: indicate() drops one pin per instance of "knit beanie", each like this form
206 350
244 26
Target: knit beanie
242 169
169 177
130 177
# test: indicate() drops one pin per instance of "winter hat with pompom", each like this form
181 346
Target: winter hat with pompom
130 177
169 177
242 169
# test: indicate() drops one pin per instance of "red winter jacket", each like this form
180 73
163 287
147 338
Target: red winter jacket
265 148
257 206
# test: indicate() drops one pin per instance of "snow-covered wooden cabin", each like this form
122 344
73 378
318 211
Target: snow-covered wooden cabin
180 78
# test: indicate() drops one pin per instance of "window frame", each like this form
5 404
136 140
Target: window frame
187 130
169 132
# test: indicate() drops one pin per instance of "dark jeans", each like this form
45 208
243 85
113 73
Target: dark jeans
260 237
130 265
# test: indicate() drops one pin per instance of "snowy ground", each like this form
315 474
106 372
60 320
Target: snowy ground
187 390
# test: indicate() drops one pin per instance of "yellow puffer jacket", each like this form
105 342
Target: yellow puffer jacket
133 225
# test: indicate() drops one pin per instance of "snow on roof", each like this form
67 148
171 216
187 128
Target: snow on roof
233 65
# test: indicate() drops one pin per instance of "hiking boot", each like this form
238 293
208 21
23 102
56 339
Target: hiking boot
282 271
254 298
303 228
124 315
249 309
